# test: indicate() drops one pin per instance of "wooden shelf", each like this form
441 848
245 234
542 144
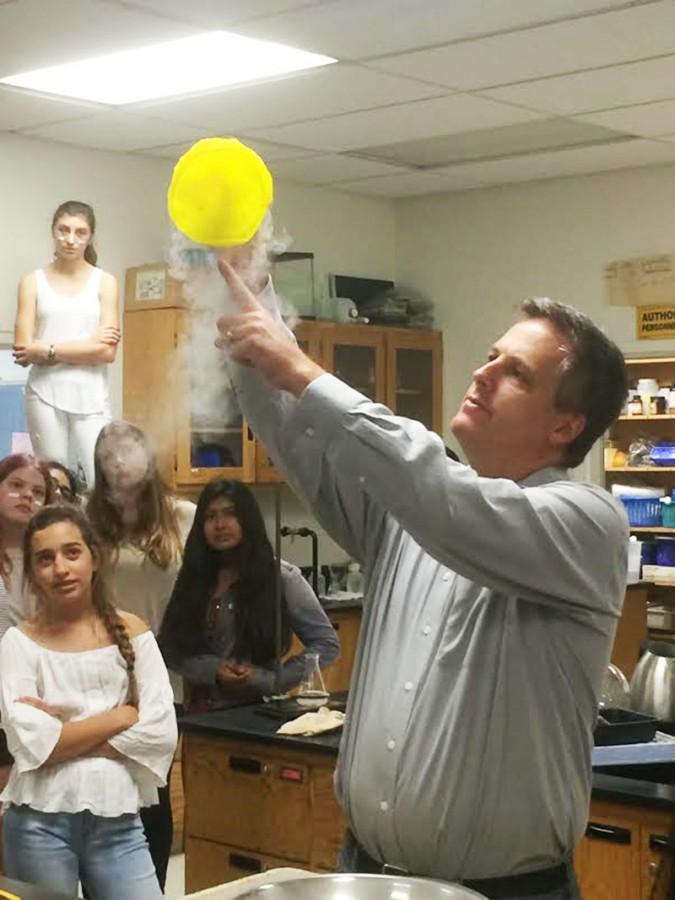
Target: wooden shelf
654 418
656 529
650 360
653 469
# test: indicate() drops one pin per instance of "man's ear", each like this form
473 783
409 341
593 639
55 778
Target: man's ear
568 427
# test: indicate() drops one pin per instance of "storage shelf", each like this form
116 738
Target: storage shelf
653 469
654 418
655 529
650 360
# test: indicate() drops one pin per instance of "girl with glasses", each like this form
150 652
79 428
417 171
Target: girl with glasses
67 331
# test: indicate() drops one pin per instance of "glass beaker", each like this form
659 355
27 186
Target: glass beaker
312 692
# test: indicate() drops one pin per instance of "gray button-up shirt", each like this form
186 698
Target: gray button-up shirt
489 618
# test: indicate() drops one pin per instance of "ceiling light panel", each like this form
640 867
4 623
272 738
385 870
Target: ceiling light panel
189 65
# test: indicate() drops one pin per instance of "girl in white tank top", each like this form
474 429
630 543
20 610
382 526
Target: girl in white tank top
67 331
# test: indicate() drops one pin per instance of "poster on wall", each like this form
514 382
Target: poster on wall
647 281
655 322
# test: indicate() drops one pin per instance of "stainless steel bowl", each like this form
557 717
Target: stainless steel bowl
361 887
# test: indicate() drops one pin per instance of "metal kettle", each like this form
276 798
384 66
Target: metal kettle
652 687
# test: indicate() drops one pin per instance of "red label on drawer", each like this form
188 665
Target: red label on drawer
290 774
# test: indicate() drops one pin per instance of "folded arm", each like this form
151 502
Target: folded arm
100 348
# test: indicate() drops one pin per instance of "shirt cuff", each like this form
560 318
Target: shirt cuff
262 681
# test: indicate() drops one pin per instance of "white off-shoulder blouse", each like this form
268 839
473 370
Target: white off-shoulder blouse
83 684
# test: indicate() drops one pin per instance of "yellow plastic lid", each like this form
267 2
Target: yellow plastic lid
219 192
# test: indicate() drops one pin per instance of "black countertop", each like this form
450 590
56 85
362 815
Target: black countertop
339 605
637 785
250 723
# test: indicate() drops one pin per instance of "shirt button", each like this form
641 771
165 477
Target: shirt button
391 745
446 577
362 479
426 629
407 686
309 431
384 806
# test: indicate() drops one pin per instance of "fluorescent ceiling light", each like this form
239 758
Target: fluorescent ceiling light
190 65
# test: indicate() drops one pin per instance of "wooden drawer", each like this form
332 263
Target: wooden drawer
244 798
208 864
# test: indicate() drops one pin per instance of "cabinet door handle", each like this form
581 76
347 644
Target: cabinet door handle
660 842
336 625
611 833
246 764
247 863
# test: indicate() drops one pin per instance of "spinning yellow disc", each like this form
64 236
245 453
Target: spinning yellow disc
219 192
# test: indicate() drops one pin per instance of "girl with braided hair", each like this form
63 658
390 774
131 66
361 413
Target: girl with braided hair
88 711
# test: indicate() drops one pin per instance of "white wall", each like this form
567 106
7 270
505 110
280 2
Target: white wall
127 194
478 253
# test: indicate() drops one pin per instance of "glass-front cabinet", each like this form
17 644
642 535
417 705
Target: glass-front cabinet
176 390
356 355
414 375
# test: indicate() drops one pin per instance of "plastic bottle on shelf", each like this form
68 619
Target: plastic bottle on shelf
354 582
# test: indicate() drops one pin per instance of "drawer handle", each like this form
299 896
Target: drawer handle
246 764
611 833
660 842
336 625
246 863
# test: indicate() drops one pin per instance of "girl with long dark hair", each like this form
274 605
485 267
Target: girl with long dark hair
67 331
219 627
88 711
25 487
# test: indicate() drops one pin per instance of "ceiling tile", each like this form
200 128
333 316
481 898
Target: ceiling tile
116 130
646 119
407 185
216 14
269 152
598 89
329 91
359 29
331 169
586 43
393 124
575 161
36 33
509 140
21 109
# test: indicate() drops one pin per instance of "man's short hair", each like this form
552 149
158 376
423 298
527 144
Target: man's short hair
593 378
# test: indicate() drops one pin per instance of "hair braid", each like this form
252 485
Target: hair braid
119 635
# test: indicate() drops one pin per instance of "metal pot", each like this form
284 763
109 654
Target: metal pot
652 687
361 887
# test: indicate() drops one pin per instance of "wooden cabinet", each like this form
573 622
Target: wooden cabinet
626 854
250 806
159 397
164 381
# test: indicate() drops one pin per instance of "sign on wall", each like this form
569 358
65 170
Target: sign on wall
655 322
639 282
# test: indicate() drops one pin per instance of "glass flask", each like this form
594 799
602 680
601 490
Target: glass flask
312 692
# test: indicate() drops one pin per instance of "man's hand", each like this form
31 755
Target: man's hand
234 676
253 338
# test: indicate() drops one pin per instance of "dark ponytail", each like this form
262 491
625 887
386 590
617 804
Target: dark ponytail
78 208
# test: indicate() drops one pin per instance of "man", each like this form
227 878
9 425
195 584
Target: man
493 592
